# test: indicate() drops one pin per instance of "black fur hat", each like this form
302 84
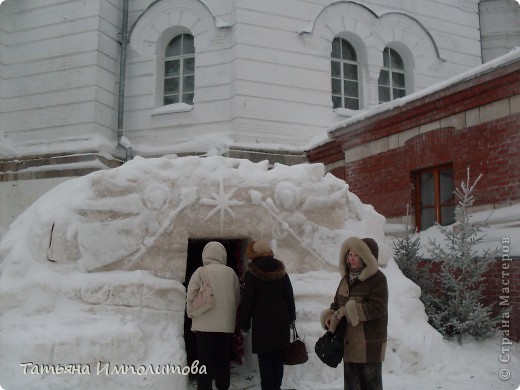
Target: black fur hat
372 245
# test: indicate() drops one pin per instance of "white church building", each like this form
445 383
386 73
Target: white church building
87 85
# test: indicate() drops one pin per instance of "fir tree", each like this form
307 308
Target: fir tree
406 255
455 307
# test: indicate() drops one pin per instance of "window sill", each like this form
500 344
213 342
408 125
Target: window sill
346 112
172 109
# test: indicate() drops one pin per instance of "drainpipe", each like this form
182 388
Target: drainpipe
122 73
480 31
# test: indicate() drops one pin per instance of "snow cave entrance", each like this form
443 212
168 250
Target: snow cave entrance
235 249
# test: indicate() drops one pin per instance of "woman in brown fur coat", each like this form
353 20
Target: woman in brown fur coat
361 297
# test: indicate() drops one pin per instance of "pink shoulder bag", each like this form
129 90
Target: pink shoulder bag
204 300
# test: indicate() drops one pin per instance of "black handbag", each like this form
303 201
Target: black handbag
329 347
296 352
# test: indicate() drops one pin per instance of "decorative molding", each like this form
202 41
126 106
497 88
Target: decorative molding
161 16
375 31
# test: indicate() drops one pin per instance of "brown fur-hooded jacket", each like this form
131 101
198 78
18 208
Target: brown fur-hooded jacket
365 304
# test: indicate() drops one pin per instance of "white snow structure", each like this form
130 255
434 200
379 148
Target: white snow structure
92 273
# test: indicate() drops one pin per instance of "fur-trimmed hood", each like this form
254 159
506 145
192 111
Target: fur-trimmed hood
366 252
267 268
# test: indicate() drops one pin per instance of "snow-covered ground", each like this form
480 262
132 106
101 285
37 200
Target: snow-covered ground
56 313
500 223
467 366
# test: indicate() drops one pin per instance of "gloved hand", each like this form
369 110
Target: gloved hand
352 314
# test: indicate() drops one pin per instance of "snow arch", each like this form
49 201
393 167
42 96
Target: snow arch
109 287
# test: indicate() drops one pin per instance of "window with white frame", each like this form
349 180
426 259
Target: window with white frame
391 84
344 75
179 70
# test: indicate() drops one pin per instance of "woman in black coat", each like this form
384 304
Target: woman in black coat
269 301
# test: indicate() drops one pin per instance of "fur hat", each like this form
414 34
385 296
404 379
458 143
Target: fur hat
372 245
367 249
256 249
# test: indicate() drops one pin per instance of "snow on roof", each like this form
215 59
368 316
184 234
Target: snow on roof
512 56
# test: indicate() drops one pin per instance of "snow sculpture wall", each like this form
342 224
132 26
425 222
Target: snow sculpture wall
92 273
142 215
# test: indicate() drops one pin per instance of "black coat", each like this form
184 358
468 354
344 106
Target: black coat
269 301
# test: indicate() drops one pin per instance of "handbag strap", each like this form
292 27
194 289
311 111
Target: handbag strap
295 335
204 277
340 329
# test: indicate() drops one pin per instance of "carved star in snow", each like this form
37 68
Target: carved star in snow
222 202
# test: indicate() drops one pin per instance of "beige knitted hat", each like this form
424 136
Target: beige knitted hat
256 249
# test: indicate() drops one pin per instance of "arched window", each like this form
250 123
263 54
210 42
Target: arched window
179 70
391 84
344 75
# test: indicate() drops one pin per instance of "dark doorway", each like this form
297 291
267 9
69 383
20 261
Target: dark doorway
194 260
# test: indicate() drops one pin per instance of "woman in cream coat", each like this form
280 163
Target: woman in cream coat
215 327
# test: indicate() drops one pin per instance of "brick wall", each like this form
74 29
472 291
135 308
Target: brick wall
474 123
491 149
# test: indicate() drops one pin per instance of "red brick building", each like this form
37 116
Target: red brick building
406 157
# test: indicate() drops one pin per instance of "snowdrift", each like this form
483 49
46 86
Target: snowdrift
91 275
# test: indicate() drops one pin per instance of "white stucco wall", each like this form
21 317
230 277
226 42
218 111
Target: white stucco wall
500 27
266 77
3 67
262 69
60 70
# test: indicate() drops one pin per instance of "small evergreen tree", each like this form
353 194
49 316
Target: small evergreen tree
406 255
455 307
